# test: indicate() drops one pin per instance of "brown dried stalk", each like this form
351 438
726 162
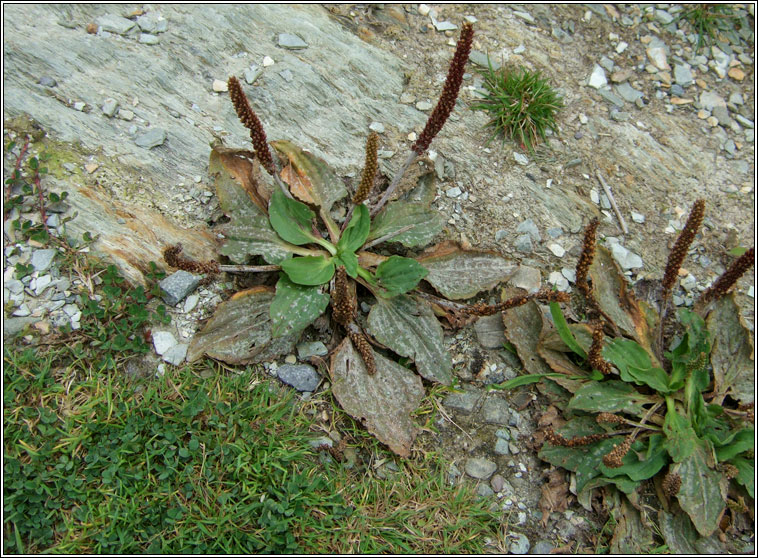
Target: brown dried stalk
610 418
543 295
585 259
682 244
343 303
727 279
594 357
615 457
369 169
172 256
364 348
558 440
449 92
440 113
251 121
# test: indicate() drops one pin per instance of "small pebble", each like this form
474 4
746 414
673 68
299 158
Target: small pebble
220 86
267 61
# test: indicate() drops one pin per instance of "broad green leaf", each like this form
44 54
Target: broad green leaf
744 440
643 461
524 380
583 460
290 219
295 307
249 232
681 440
350 261
563 330
317 184
356 232
239 332
383 402
611 396
458 274
703 491
425 223
410 329
732 352
615 297
746 475
634 365
309 270
398 275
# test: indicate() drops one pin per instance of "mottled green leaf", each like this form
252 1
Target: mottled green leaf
744 440
350 261
309 270
410 329
459 274
356 232
398 275
383 401
425 223
703 491
295 307
678 532
239 332
317 184
681 439
631 536
732 352
290 219
610 396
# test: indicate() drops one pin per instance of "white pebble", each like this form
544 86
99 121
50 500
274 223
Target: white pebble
267 61
556 249
220 86
423 9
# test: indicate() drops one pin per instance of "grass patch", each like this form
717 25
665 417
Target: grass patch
203 461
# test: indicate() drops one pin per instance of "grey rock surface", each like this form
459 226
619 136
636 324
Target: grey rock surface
177 286
464 401
302 377
480 468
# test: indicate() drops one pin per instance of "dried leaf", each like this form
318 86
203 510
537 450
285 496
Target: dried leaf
410 329
384 401
556 353
610 396
631 535
555 495
732 355
523 326
239 332
459 274
313 181
616 299
242 167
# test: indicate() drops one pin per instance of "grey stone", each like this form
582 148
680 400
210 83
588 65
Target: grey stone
252 73
529 227
163 341
721 114
490 331
526 277
149 39
480 468
730 147
287 75
620 116
114 24
484 491
542 547
464 401
14 326
663 17
496 411
22 311
424 105
561 35
313 348
175 355
152 138
43 259
625 258
677 90
444 25
377 127
126 114
503 433
524 244
597 79
744 121
736 98
628 92
47 81
80 106
190 303
291 42
480 59
501 447
501 235
521 545
709 100
607 63
177 286
610 97
109 107
683 75
497 482
152 23
302 377
321 441
525 16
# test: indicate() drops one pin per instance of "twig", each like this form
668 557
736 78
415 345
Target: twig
613 202
248 268
395 181
387 236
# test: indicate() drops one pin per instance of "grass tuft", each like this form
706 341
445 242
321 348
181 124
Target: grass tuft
522 105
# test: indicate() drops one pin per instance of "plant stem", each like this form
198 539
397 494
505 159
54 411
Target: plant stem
248 268
395 181
613 201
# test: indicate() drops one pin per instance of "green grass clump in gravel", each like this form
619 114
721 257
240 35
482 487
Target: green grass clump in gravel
202 460
521 104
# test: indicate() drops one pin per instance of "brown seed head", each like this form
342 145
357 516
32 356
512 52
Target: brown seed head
250 120
594 357
364 348
682 244
727 279
615 458
172 256
369 169
449 91
558 440
672 482
585 259
343 304
609 418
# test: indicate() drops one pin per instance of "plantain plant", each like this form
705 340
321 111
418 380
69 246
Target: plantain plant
651 398
320 266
